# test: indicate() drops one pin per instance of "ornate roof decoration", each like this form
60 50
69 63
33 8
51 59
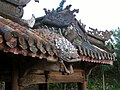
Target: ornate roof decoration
64 23
82 24
61 6
58 18
37 39
58 37
44 43
102 35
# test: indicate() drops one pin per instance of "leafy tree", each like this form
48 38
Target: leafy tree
116 35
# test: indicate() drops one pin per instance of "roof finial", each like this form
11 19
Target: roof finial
61 5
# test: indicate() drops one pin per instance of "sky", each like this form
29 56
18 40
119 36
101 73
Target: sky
100 14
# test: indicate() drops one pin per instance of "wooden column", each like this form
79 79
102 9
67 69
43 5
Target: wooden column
85 85
82 86
44 86
63 86
7 85
21 88
14 76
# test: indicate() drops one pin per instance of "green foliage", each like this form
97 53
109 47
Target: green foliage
116 35
55 86
63 86
111 84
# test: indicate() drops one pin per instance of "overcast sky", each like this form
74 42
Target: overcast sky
101 14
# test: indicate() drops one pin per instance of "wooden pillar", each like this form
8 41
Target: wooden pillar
82 86
21 88
63 86
7 85
14 76
44 86
85 85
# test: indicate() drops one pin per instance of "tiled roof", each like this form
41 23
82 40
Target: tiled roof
43 43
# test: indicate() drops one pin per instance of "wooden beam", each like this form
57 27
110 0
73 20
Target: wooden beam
57 77
31 79
53 77
40 65
5 77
